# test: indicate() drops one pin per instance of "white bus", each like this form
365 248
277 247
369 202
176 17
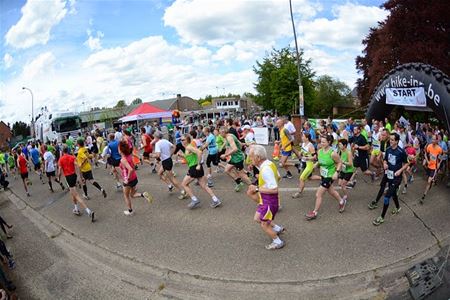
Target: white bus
55 126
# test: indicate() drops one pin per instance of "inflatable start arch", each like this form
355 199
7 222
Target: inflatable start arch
414 85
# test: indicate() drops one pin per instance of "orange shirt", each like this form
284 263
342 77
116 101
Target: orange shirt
433 155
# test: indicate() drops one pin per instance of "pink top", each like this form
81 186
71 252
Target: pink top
127 177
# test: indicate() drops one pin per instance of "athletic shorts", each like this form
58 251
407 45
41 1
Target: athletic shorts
345 176
113 162
95 148
212 158
131 183
286 153
430 172
238 165
222 153
71 180
24 175
87 175
308 169
52 173
267 212
37 166
179 147
326 182
393 185
194 173
375 152
361 162
146 155
167 164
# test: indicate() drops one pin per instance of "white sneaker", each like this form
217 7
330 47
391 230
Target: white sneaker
148 197
128 213
76 212
404 191
85 197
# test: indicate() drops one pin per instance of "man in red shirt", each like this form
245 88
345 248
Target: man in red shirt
147 145
67 166
23 169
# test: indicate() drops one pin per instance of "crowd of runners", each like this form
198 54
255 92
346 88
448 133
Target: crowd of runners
337 155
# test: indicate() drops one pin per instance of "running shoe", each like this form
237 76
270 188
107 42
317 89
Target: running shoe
194 204
298 166
118 186
29 182
274 246
282 230
404 191
342 206
182 196
421 201
62 186
11 264
296 195
92 215
210 183
85 197
28 195
170 188
104 193
148 197
128 213
238 187
76 212
311 215
215 204
396 211
378 221
287 176
373 205
154 171
410 178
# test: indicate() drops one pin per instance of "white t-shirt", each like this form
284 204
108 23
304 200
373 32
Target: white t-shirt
118 136
290 127
163 146
49 161
270 182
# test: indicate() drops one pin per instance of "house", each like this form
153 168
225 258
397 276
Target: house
231 106
5 135
181 103
109 116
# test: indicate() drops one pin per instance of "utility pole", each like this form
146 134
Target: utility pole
299 80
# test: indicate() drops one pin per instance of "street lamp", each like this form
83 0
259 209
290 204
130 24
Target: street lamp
300 86
32 112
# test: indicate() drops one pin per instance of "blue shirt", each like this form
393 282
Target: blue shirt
178 137
312 133
114 149
34 156
212 146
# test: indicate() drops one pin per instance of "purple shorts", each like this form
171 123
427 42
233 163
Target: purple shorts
269 207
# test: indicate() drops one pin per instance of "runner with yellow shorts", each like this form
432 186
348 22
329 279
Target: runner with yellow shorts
308 157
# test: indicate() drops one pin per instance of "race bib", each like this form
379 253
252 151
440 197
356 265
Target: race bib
390 174
323 172
432 157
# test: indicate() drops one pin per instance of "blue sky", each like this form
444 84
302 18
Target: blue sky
70 52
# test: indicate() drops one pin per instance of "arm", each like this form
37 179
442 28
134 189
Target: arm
233 146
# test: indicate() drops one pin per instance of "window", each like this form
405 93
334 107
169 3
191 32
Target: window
236 103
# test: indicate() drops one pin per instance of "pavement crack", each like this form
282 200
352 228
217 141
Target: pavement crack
438 242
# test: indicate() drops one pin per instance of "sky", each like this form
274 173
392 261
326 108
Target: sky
74 55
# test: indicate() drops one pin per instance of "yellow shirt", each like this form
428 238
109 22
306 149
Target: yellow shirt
83 160
285 142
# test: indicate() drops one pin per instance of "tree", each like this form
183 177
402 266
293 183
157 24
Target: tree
21 128
277 85
120 104
205 101
415 31
329 92
136 101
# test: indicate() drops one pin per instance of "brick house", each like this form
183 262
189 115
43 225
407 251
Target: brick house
181 103
5 135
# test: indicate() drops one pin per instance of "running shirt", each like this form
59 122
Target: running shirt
177 137
212 146
11 162
83 160
361 141
114 150
268 178
433 155
165 148
395 159
326 163
191 159
34 156
305 152
126 175
67 164
349 168
22 164
237 156
220 141
49 160
69 143
376 144
286 144
2 158
148 147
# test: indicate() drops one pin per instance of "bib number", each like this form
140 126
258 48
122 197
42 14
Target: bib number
323 172
390 174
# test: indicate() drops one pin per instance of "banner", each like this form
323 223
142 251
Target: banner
261 135
413 96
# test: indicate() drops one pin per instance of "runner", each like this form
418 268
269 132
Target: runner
114 158
35 158
69 168
265 194
286 140
395 162
308 155
193 157
330 164
83 161
12 162
129 176
361 152
50 169
23 169
163 152
212 157
347 166
432 163
235 165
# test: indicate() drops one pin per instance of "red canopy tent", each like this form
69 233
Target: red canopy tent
146 111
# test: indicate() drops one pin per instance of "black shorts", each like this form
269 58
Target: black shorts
194 173
146 155
430 172
71 180
393 185
94 148
238 165
222 153
345 176
361 162
326 182
87 175
37 166
167 164
49 174
113 162
179 147
131 183
212 158
24 175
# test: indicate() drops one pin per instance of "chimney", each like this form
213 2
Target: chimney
178 101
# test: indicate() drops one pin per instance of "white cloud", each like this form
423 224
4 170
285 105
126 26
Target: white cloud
221 22
8 60
42 64
346 30
72 9
94 43
38 18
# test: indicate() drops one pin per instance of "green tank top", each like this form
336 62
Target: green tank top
191 159
344 158
237 156
326 163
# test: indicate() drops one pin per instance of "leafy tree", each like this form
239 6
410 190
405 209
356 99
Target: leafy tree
136 101
21 128
120 104
277 85
205 101
329 92
415 31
